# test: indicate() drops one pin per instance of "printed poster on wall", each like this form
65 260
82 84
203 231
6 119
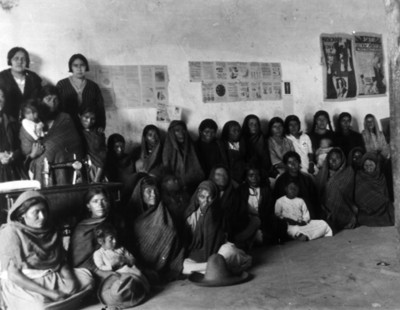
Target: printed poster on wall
369 64
131 86
338 66
237 81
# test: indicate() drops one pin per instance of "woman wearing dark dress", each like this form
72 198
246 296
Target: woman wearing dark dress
256 143
77 90
18 83
346 138
209 149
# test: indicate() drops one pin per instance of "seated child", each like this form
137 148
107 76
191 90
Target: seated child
111 257
325 146
96 148
30 120
294 210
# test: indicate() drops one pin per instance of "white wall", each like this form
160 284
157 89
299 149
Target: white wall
173 32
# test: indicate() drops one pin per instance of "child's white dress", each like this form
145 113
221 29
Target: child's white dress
296 210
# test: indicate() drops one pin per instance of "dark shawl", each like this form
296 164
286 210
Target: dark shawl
372 197
14 97
307 191
236 159
152 162
96 148
350 141
182 161
156 242
272 227
91 96
208 235
29 247
256 145
210 154
9 142
61 143
84 243
336 191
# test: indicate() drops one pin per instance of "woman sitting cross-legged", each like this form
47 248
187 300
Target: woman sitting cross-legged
35 274
204 225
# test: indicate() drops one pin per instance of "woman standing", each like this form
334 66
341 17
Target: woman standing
321 129
18 83
35 274
76 91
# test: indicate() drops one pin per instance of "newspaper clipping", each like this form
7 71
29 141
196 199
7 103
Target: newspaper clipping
237 81
131 86
338 66
369 64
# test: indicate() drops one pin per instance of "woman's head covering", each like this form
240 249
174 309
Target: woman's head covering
245 127
19 207
210 187
373 156
226 128
137 202
341 116
208 123
376 128
114 138
351 155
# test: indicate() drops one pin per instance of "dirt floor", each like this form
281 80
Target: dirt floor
356 269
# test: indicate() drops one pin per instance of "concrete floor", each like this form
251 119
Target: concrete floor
356 269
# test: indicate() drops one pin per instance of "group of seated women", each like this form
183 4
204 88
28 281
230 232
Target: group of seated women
182 201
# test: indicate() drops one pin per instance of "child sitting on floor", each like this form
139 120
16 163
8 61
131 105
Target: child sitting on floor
294 210
111 257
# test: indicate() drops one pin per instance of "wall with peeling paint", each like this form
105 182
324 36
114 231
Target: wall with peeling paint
173 32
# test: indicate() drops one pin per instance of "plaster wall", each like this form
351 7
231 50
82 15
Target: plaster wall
173 32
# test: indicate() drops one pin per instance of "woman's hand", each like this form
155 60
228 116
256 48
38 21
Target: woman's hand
5 158
37 150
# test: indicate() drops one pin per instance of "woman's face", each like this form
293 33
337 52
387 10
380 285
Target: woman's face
51 101
208 135
98 206
152 138
78 68
335 161
36 216
119 148
369 166
234 133
253 177
88 120
179 132
294 128
277 129
345 123
221 178
19 62
150 195
357 156
293 166
321 122
370 122
204 197
254 128
2 100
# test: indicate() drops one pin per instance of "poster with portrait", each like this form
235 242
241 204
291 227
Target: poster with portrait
369 64
338 66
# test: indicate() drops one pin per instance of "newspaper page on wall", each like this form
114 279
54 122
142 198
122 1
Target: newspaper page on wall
131 86
237 81
338 67
168 113
369 64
